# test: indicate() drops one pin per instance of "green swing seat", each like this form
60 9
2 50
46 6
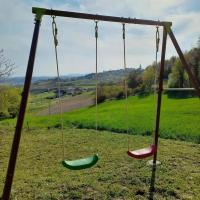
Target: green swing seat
81 163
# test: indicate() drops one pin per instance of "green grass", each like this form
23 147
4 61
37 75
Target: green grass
40 101
40 175
179 118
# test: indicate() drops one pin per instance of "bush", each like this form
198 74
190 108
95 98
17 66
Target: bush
180 94
134 80
111 92
4 115
120 95
101 99
9 101
140 90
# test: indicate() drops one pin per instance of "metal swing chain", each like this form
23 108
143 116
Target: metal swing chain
55 34
125 81
157 42
96 74
156 69
54 31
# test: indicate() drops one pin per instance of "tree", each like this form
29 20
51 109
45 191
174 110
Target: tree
193 57
134 80
6 66
149 77
198 43
168 66
178 77
9 101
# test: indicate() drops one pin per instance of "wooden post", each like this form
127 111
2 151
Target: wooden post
88 16
159 98
20 119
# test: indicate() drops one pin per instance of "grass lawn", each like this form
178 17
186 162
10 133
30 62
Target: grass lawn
40 101
179 118
39 174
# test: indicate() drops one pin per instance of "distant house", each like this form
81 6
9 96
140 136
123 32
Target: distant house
73 91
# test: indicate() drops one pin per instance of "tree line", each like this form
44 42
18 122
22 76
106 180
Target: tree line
175 75
144 81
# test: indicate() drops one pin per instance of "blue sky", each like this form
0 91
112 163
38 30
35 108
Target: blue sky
76 37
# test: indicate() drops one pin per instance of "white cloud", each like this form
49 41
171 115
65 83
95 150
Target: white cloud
76 37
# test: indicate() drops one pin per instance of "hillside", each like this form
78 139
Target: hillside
87 80
82 83
50 81
18 81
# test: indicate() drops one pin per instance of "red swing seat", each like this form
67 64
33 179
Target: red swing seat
143 153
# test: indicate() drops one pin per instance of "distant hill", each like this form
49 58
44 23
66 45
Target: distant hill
109 76
19 80
86 81
46 83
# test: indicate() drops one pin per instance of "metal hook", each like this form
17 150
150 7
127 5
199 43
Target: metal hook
96 28
123 30
157 38
54 30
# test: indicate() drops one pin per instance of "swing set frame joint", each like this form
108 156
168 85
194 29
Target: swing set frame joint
39 12
167 26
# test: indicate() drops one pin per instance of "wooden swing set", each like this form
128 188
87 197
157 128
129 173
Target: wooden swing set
90 161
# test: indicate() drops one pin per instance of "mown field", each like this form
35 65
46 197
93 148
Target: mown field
39 174
179 118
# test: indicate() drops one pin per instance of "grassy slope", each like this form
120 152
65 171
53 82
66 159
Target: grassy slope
179 117
40 101
39 174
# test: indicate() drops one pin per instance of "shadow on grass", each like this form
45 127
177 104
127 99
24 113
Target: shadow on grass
142 95
180 94
152 183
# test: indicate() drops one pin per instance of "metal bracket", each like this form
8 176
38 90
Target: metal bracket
39 12
167 26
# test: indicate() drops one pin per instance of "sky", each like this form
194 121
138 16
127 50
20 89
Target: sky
76 50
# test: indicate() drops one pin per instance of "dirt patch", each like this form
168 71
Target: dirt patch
69 104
